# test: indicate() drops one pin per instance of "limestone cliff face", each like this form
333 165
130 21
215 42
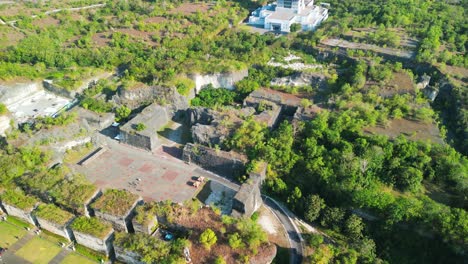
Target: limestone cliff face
218 80
11 93
137 96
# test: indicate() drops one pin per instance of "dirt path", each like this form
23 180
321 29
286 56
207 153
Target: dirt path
407 54
73 9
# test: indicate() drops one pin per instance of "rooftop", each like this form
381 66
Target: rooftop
53 214
91 226
116 202
154 117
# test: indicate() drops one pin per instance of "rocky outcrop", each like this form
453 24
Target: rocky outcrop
315 80
127 256
227 164
11 93
142 94
154 117
218 80
249 197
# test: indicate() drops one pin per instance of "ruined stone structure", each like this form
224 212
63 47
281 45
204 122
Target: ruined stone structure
228 164
249 197
24 214
120 222
94 121
99 244
154 117
56 228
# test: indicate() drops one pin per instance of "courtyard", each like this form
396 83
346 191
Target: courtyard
157 176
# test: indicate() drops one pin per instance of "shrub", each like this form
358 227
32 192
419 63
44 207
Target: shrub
140 127
208 238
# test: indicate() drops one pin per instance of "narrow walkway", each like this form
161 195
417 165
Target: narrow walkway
60 256
21 242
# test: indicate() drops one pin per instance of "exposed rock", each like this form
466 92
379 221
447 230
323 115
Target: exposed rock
423 82
154 117
228 164
315 80
249 197
143 94
218 80
207 135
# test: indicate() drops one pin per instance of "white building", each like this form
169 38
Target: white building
281 15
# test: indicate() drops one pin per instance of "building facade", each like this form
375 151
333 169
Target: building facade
281 15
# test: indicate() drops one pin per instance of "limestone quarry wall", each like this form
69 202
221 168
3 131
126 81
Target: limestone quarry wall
127 256
17 212
10 93
227 164
139 141
146 229
51 87
62 231
218 80
94 243
118 222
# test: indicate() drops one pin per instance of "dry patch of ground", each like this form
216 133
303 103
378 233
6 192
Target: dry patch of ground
155 20
401 83
190 8
9 36
45 22
414 130
101 39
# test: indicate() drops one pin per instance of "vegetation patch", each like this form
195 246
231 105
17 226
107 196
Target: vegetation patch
39 250
53 214
10 233
18 199
91 226
115 202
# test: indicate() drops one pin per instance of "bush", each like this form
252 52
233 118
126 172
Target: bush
295 27
208 238
140 127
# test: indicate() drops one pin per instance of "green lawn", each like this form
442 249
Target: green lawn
39 251
74 258
8 234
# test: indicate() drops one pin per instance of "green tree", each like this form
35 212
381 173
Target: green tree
295 27
313 205
208 238
353 227
122 113
140 127
235 241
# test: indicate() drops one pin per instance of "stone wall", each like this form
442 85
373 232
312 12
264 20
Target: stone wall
22 214
140 141
218 80
51 87
145 228
154 117
127 256
142 94
227 164
95 243
63 231
249 197
120 223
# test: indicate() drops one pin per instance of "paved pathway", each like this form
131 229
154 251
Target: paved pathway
60 256
9 257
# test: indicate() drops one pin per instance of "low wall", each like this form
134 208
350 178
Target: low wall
94 243
118 222
22 214
49 86
228 164
146 229
62 231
